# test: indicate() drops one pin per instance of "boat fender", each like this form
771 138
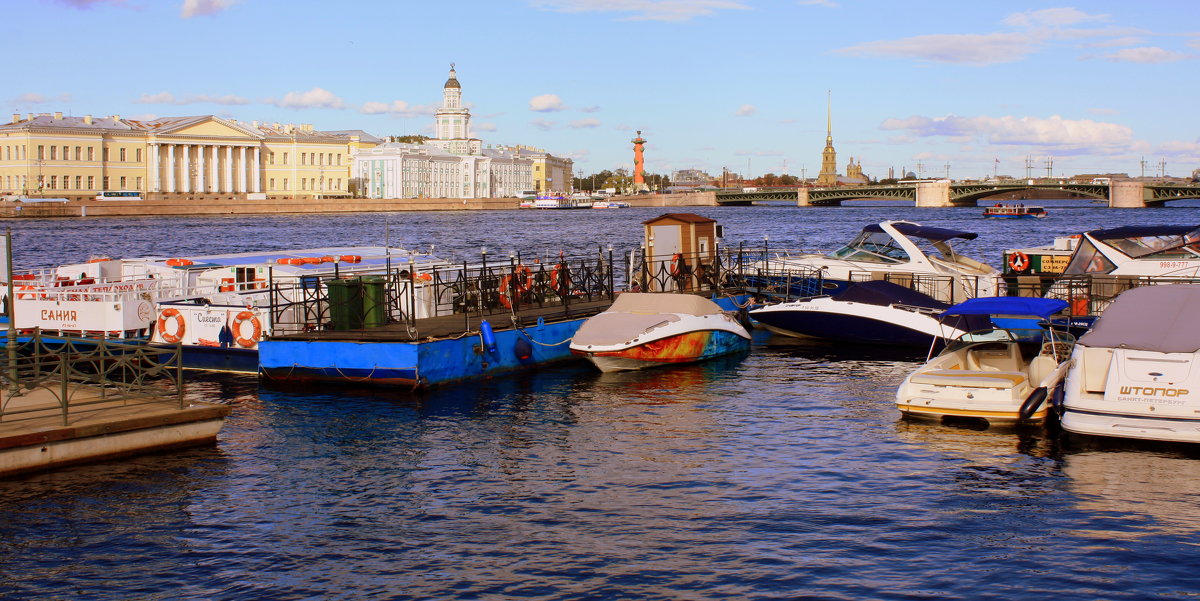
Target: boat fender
1032 402
522 349
541 324
487 336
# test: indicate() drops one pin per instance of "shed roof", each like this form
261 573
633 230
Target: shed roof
685 217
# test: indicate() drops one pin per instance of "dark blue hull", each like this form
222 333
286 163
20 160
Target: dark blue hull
841 327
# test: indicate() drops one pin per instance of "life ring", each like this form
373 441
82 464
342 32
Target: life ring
179 262
523 277
26 295
171 313
243 317
677 265
560 279
1018 261
502 293
424 277
350 258
226 285
1079 305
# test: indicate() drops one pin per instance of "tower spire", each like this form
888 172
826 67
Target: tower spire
828 116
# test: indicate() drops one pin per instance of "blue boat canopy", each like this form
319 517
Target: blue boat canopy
1142 231
936 234
1009 305
882 293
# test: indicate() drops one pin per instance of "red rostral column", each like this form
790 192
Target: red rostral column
639 164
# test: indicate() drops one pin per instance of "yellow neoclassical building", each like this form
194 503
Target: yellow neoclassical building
50 155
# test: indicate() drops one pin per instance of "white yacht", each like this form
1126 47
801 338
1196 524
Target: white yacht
903 252
1136 374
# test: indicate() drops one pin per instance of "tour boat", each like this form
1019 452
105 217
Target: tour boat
1001 375
1136 374
874 312
644 330
899 251
1003 211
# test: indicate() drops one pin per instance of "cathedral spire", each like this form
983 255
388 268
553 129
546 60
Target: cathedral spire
828 116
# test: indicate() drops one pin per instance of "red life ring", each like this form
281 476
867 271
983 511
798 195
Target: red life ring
171 313
677 265
523 277
350 258
26 295
1018 261
179 262
243 317
560 279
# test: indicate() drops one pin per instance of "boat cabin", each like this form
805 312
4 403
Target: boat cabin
679 248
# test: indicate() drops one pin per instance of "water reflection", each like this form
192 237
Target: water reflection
1144 491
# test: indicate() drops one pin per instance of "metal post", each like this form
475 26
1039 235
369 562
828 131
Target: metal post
10 305
179 372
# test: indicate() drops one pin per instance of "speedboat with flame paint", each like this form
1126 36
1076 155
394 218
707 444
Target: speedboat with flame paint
1136 374
644 330
1001 375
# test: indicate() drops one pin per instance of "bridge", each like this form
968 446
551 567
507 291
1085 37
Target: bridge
943 193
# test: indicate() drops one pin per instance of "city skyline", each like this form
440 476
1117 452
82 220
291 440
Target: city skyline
712 84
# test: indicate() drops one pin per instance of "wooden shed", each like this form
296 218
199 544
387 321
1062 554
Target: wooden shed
680 248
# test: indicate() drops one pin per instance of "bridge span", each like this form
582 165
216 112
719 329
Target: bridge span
944 193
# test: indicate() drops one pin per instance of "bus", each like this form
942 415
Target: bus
118 195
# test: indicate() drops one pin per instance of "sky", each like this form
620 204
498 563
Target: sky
965 89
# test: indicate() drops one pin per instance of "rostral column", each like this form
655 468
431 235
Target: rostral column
639 163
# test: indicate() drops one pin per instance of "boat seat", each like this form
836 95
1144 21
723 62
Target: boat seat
994 357
1040 367
975 379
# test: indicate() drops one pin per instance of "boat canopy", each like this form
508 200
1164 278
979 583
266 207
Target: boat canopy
913 230
654 303
1144 240
1009 305
883 293
1161 319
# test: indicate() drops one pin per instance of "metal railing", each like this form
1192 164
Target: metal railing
83 373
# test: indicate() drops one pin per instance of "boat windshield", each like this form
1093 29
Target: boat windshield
872 247
1031 337
1160 246
1087 259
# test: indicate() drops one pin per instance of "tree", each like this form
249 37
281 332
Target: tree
409 139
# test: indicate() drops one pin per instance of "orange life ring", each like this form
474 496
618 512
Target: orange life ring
677 265
179 262
283 261
424 277
24 276
1079 305
226 285
350 258
27 295
560 279
523 277
243 317
505 300
1018 261
171 313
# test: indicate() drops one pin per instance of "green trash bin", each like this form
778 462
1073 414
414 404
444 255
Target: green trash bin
374 301
345 303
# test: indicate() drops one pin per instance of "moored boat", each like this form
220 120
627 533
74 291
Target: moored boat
1018 211
1001 375
649 329
1136 374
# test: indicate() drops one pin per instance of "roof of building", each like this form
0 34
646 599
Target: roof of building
58 120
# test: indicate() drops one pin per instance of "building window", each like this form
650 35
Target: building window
302 158
122 182
122 155
78 182
270 158
91 182
285 162
104 156
139 183
53 153
78 153
104 183
303 183
285 182
138 154
53 179
91 153
271 182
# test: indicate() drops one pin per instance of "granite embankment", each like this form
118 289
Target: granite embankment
238 204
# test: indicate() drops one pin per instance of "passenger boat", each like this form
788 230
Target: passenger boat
1136 374
899 251
644 330
1001 375
875 312
1020 211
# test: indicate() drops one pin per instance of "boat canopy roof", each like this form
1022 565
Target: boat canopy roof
913 230
1141 231
663 302
1009 305
1150 318
883 293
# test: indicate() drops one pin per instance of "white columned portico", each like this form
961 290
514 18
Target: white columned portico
200 167
241 169
171 168
185 167
156 176
257 170
228 169
216 169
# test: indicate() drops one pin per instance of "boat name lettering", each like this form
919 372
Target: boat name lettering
209 318
1152 391
1173 264
59 315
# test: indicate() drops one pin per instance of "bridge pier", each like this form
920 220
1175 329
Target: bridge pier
1125 194
802 197
934 194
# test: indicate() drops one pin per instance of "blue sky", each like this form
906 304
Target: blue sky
1097 86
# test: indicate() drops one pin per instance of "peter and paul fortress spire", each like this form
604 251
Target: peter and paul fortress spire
828 175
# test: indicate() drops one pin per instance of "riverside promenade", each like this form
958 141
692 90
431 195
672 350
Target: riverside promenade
239 204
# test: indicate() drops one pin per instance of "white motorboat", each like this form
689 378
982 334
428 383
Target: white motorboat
921 257
875 312
1136 374
644 330
1000 375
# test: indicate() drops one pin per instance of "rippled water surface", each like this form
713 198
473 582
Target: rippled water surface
782 474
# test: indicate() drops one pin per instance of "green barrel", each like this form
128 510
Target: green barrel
346 303
374 301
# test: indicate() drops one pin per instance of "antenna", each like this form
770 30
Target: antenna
1143 161
1049 167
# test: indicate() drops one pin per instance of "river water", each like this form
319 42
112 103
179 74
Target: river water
782 474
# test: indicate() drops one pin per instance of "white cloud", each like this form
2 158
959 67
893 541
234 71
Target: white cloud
484 127
585 123
1051 17
622 127
34 98
758 153
143 117
398 108
169 98
1148 54
643 10
589 109
544 124
314 98
825 3
1102 111
746 110
196 8
966 48
546 103
1055 132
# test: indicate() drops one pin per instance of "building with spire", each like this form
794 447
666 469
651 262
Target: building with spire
452 127
828 175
